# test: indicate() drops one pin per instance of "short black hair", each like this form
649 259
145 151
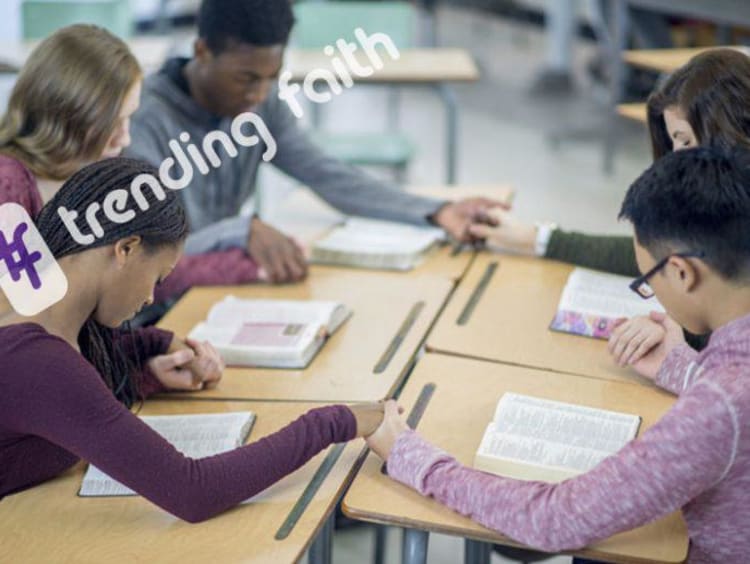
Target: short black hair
695 200
261 23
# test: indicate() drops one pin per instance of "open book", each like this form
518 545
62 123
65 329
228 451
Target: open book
536 439
270 333
368 243
592 301
195 436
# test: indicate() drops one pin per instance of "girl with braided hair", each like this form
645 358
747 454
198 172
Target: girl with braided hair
71 106
68 377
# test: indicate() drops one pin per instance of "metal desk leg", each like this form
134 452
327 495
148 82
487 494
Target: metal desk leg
451 132
322 547
414 548
381 540
620 30
477 552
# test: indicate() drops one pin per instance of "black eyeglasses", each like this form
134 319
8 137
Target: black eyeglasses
641 286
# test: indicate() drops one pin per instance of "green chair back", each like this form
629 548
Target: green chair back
42 17
322 23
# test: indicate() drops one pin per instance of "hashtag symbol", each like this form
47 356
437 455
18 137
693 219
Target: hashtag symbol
17 257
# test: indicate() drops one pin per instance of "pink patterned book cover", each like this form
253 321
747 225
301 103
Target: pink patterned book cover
584 324
269 334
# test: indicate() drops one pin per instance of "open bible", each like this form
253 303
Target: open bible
270 333
368 243
195 436
592 302
537 439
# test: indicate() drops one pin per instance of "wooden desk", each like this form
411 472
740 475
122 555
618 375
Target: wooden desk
636 112
150 51
510 322
466 394
414 66
307 217
667 60
346 369
49 522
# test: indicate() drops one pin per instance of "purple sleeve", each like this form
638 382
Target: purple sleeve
684 454
220 268
678 370
19 186
59 397
144 344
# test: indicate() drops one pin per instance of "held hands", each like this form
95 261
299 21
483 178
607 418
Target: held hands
193 366
644 342
503 231
457 217
383 439
279 257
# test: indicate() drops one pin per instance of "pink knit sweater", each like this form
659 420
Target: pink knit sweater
697 457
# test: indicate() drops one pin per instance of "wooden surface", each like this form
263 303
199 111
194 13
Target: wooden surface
636 112
414 66
511 321
150 52
307 217
50 523
666 60
464 402
344 368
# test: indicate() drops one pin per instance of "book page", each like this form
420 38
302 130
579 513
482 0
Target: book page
232 311
261 336
606 295
195 436
376 244
555 434
593 301
538 452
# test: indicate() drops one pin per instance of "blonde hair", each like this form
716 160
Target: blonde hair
67 99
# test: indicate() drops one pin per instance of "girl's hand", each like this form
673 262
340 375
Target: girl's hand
207 366
368 416
192 366
501 230
383 439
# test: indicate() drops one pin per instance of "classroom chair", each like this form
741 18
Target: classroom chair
322 23
42 17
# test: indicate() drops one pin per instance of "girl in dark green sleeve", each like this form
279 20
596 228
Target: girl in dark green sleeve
705 102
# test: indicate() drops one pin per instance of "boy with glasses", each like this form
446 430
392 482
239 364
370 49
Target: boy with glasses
691 216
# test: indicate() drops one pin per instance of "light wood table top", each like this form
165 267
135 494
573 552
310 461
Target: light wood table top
667 60
414 66
150 51
346 368
636 112
464 402
51 523
510 322
308 218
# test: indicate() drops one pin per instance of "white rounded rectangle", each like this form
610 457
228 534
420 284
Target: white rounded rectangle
30 276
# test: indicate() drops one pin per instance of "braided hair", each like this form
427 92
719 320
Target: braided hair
163 223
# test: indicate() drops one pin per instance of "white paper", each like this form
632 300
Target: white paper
555 434
376 244
195 436
231 310
604 295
